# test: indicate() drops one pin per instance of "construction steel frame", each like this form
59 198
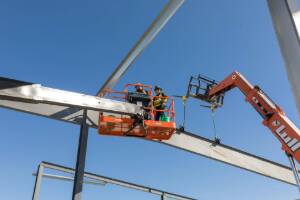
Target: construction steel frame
95 179
84 109
48 102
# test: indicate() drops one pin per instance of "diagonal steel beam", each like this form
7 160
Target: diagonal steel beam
168 11
72 113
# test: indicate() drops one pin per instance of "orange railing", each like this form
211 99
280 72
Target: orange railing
149 87
169 110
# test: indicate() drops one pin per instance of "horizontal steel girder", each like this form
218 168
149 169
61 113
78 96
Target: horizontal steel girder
103 180
67 106
58 104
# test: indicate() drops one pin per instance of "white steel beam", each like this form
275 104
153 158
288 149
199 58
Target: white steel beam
286 20
70 179
165 15
58 104
232 156
31 100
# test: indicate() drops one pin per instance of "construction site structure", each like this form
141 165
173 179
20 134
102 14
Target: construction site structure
84 109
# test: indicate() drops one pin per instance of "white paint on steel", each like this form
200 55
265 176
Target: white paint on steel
37 94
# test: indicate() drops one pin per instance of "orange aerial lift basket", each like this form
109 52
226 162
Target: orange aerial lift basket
144 125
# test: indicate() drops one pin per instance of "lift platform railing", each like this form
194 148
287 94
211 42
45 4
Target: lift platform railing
199 88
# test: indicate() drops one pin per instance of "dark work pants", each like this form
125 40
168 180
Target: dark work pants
159 113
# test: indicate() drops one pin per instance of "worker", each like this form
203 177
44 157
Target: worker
159 102
142 97
140 89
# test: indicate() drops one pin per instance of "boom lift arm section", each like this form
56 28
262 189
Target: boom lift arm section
273 116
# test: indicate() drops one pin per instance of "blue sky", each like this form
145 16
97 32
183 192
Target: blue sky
75 45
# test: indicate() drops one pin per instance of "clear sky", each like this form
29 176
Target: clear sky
75 45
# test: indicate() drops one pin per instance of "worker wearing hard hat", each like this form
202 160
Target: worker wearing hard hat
159 102
140 89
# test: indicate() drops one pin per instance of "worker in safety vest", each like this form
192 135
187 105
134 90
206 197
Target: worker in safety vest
159 102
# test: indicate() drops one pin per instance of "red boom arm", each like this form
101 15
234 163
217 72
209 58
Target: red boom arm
274 118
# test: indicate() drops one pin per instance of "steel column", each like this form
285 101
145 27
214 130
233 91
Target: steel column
38 181
80 163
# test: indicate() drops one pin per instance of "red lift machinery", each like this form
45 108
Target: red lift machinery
144 125
212 92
